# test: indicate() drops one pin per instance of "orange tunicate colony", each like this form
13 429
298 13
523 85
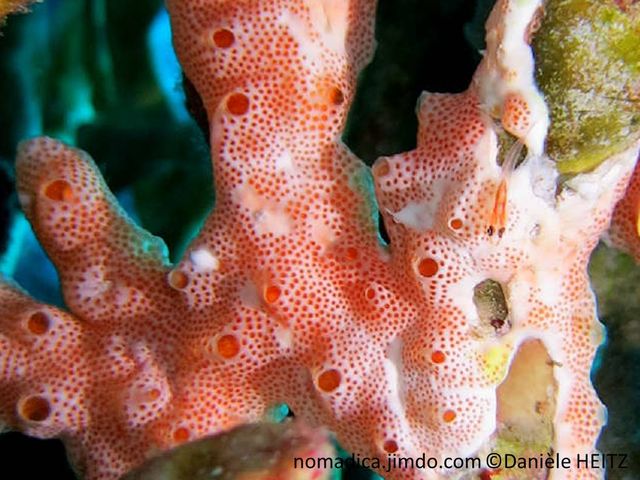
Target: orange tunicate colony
625 223
377 342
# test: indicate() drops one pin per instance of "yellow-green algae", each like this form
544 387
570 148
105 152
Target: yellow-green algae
588 67
261 451
526 406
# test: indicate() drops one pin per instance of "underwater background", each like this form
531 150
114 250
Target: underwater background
101 75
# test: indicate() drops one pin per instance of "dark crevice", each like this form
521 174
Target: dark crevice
195 106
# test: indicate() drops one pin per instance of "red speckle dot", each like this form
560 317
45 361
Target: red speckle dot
154 394
228 346
390 446
181 434
449 416
428 267
455 224
38 323
178 279
329 380
223 38
438 357
59 190
336 96
35 409
238 104
489 474
351 253
381 168
272 294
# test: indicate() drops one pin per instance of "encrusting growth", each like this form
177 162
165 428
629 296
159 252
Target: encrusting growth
287 294
625 223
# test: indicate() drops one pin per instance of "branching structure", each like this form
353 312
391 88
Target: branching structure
288 294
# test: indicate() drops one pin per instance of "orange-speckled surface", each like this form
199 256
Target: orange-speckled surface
12 6
287 294
625 223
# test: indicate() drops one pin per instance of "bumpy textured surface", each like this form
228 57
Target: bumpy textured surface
287 294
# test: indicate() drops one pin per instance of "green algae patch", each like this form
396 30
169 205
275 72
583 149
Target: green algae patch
588 67
253 451
526 407
491 305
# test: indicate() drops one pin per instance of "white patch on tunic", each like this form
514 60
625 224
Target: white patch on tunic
273 221
420 216
204 261
285 163
249 295
93 283
284 336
